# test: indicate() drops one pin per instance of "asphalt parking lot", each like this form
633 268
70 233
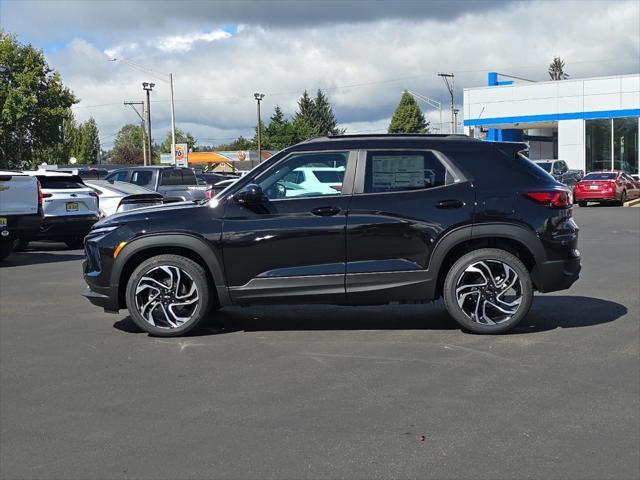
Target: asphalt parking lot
325 392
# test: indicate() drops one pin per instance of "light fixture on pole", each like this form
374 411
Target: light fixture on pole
161 76
258 97
147 87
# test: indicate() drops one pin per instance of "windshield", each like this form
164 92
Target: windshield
601 176
122 187
546 166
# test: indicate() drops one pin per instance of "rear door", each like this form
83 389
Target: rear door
18 194
404 201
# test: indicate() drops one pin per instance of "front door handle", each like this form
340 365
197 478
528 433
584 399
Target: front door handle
450 204
325 211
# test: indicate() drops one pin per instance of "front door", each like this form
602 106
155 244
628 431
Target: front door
403 203
291 247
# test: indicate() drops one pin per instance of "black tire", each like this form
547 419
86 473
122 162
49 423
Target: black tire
454 275
21 244
623 198
195 273
74 243
582 204
6 247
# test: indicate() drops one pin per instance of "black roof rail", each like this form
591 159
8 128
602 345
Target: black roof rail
435 136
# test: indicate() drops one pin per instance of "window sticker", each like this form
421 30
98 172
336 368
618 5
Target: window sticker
396 172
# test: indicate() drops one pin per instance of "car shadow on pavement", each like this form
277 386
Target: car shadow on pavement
41 252
547 313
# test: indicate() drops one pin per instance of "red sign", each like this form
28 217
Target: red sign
241 155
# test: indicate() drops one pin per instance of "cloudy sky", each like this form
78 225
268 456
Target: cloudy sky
362 53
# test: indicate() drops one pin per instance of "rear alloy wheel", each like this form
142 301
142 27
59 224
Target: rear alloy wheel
168 295
488 291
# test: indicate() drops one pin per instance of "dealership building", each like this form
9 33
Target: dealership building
591 123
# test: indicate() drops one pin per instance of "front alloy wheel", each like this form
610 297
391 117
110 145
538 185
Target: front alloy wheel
168 295
488 291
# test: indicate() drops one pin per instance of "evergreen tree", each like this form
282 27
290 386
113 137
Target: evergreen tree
556 69
306 109
279 134
324 118
89 142
70 139
408 117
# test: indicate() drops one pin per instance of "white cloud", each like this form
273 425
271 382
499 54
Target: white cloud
184 43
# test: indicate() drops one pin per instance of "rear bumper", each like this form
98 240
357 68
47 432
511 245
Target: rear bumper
555 275
594 196
21 226
67 226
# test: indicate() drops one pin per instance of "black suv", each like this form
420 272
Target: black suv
400 218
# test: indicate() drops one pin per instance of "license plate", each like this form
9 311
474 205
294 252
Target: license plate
593 187
3 222
72 206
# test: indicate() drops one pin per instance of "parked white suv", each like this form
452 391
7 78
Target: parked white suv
20 209
326 180
70 208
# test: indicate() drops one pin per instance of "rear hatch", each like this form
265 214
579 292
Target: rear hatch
67 196
18 194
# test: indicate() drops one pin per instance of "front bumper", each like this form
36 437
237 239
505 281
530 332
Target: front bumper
66 226
102 297
555 275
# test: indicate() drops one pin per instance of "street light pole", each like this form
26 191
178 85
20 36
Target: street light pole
142 121
258 97
448 81
173 123
147 87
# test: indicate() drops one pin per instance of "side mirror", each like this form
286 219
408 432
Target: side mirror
250 195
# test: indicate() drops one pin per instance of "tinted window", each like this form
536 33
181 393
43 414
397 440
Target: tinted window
92 174
546 166
120 176
171 177
401 171
188 177
142 177
600 176
329 176
60 183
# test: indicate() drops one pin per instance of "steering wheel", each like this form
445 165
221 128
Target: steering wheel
277 190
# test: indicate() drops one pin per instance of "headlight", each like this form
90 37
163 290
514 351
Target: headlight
102 230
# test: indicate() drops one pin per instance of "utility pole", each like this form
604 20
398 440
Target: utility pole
448 81
173 123
258 97
144 141
429 101
455 117
147 87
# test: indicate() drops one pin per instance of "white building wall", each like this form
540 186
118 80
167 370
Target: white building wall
571 143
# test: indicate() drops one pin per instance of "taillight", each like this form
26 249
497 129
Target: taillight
40 195
95 195
208 194
553 199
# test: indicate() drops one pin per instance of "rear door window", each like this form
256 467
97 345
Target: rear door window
143 178
399 171
171 177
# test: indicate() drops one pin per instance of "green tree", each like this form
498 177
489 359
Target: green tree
408 118
323 116
33 104
306 109
279 134
240 143
181 137
89 142
556 69
127 147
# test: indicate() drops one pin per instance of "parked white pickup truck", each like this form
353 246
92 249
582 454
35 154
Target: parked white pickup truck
20 209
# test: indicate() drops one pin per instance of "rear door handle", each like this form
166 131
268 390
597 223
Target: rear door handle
325 211
450 204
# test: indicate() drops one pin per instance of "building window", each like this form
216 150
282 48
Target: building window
625 144
598 144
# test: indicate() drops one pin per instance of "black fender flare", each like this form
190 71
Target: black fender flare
521 234
182 240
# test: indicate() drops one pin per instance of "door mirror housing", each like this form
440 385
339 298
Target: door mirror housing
251 194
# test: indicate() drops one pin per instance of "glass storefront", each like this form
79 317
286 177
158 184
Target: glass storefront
598 144
625 144
612 144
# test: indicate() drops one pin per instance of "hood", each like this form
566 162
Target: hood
151 213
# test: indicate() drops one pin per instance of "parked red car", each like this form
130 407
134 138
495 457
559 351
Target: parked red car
606 186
